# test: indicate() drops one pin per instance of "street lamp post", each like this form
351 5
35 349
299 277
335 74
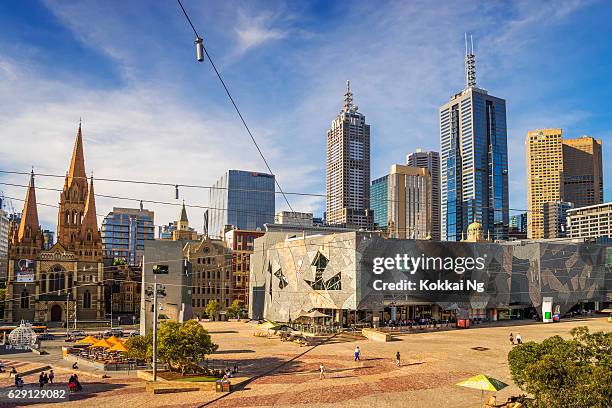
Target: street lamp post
155 329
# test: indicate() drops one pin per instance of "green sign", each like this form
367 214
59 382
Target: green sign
547 315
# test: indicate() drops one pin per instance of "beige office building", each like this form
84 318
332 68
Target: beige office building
544 150
590 222
582 171
409 208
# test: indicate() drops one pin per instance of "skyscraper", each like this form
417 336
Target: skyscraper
409 214
555 219
430 161
348 168
243 199
544 176
124 231
379 201
582 171
474 160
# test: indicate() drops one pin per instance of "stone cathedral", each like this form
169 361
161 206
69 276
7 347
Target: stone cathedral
65 282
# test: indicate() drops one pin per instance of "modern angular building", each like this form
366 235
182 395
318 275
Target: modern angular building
359 277
473 161
124 231
431 161
582 171
544 151
347 178
242 199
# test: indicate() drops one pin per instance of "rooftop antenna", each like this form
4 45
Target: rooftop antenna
348 99
470 63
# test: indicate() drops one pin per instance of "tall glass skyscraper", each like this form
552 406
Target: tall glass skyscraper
379 201
243 199
124 231
474 161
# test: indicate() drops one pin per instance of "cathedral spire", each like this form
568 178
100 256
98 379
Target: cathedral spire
90 221
77 164
29 226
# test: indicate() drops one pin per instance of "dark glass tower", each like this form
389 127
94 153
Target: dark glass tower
474 161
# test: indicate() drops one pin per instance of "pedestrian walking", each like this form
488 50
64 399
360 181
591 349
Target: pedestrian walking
41 380
357 353
75 366
45 378
511 338
321 372
13 371
18 381
51 376
397 359
519 339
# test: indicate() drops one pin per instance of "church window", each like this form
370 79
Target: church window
43 283
25 299
87 300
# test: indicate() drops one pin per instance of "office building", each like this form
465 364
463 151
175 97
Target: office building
518 226
211 279
594 221
49 238
409 203
163 263
555 213
544 151
347 178
473 161
124 231
582 171
431 161
243 199
240 243
379 202
294 218
4 242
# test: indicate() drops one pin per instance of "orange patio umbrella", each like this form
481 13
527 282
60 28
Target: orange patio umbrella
113 340
102 344
87 340
119 346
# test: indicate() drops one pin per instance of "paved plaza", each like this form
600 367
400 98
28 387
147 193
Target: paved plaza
285 374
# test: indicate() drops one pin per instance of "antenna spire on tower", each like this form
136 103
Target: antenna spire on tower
470 63
348 99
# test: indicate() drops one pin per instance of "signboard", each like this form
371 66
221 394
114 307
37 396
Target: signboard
160 269
25 271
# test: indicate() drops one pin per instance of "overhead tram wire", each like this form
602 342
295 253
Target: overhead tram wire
231 98
168 184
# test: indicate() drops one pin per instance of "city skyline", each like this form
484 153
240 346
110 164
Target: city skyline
109 84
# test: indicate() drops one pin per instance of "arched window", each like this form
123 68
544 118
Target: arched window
87 300
80 217
89 236
43 283
25 299
74 217
56 280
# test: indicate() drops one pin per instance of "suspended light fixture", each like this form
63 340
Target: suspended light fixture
199 49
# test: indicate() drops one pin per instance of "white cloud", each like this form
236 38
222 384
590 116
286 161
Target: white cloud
254 31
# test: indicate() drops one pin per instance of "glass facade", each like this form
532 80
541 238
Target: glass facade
379 193
243 199
474 165
124 231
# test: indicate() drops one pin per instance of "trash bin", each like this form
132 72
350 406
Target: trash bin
223 386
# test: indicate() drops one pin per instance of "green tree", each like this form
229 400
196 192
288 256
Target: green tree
212 308
183 345
140 347
566 373
235 309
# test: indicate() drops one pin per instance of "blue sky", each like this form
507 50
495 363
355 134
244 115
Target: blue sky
151 112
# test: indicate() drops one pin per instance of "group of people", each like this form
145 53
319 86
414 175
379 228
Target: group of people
517 337
43 378
357 357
